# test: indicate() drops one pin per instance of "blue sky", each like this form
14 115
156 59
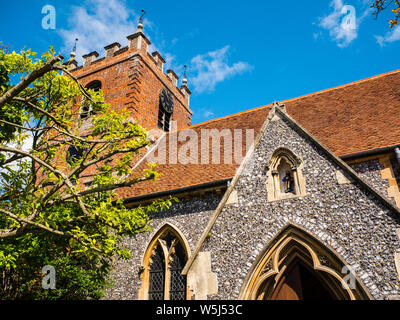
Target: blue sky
240 54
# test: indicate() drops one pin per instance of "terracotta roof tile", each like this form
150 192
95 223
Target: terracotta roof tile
355 117
352 118
179 175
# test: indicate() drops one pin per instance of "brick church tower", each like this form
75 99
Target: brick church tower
131 77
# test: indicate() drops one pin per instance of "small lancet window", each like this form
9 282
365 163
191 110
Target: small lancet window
85 108
157 275
285 178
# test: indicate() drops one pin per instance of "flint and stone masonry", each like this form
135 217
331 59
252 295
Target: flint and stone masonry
345 217
189 217
353 216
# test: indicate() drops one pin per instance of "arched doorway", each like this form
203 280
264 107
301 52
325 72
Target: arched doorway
299 282
296 266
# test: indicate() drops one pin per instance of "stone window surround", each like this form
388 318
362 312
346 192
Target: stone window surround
149 253
294 242
273 183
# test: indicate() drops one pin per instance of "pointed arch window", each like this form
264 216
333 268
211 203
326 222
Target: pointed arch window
285 177
164 119
164 261
85 108
177 289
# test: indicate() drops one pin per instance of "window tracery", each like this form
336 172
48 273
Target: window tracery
164 261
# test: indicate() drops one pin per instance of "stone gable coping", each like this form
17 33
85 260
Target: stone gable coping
279 110
343 165
228 192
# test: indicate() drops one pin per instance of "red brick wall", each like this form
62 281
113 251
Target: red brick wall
131 79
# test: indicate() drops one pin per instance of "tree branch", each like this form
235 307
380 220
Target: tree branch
31 77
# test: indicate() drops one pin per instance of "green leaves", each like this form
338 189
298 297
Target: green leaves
7 260
58 181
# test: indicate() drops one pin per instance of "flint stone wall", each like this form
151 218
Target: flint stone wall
190 217
370 172
346 218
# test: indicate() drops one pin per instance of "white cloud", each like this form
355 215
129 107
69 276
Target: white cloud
211 68
207 113
390 36
202 114
98 23
343 23
172 63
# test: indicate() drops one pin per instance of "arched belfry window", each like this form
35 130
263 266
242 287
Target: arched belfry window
163 263
85 108
285 177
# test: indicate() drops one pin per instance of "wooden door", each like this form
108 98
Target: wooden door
289 286
301 283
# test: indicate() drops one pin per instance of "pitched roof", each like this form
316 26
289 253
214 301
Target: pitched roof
179 175
359 116
355 117
347 169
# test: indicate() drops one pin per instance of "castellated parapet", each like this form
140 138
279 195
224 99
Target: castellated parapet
133 78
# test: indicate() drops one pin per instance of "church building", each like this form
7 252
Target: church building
296 200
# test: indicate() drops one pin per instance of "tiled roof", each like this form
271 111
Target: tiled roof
356 117
178 175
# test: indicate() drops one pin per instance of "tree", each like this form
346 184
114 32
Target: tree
380 5
58 180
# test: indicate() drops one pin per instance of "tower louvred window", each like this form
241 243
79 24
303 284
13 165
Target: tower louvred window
85 108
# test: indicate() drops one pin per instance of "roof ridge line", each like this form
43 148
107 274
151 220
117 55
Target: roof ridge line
297 98
342 164
221 205
228 116
342 86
